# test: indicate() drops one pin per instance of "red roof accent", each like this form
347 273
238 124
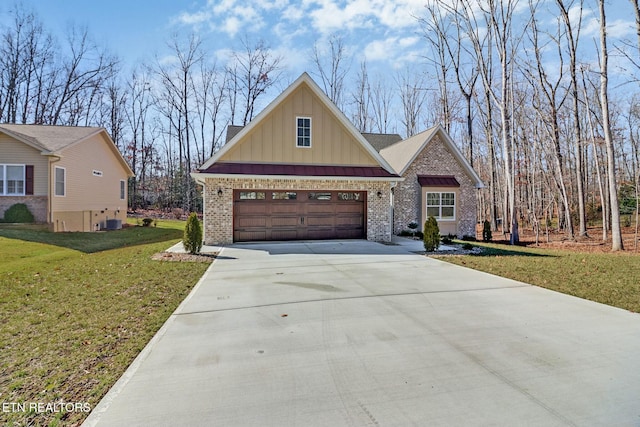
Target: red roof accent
297 170
438 181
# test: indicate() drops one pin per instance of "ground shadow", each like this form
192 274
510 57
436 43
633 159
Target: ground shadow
95 241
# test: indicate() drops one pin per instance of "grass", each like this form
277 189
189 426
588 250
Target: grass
607 278
77 308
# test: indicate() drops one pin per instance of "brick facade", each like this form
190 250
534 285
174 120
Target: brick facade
36 204
435 159
218 210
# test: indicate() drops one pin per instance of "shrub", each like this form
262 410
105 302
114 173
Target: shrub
405 233
431 236
469 238
446 240
486 231
192 240
467 246
18 213
419 234
146 222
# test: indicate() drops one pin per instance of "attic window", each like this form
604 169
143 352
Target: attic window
303 133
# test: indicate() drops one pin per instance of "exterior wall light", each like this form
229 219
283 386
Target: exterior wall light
219 192
379 194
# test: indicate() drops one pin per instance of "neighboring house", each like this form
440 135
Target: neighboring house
73 178
438 181
299 170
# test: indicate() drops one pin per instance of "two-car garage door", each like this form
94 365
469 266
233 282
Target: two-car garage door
295 215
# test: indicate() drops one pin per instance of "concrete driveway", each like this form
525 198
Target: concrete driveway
356 333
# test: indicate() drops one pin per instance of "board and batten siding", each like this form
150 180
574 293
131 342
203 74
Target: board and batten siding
16 152
273 140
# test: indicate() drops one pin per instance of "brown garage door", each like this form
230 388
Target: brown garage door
295 215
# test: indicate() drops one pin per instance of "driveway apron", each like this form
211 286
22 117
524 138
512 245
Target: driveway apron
356 333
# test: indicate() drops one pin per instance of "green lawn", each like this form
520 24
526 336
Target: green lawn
608 278
76 309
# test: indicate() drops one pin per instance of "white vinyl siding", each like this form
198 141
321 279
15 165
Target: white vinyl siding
60 181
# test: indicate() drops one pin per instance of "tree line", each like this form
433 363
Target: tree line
529 108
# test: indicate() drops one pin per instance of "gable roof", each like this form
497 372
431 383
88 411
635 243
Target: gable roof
401 154
304 79
52 140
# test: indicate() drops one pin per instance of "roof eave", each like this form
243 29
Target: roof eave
200 177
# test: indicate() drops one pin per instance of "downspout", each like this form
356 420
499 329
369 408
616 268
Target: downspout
51 188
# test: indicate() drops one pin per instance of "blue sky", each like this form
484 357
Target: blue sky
385 31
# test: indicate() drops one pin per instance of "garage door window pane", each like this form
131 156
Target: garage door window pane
285 195
319 196
252 195
349 196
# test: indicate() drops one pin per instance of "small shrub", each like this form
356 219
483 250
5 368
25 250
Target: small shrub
177 213
468 238
192 240
431 237
446 240
146 222
405 233
18 213
419 234
486 231
412 225
467 246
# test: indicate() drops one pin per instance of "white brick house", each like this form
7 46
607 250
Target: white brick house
438 181
301 170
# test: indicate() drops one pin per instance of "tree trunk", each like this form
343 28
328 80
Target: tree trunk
616 233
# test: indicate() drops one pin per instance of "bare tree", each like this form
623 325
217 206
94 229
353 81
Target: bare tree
616 233
82 73
412 97
362 100
253 71
175 104
572 35
332 68
549 89
381 101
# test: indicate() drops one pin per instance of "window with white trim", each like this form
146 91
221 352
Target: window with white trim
12 180
60 181
303 131
441 206
123 191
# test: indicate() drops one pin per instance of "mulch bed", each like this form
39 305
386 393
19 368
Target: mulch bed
182 257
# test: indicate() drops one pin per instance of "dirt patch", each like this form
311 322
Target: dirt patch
182 257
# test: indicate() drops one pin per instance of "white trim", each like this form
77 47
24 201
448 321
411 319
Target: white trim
298 127
55 181
440 205
5 188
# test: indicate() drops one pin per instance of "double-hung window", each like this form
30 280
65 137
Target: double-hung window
12 180
303 131
60 181
441 206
